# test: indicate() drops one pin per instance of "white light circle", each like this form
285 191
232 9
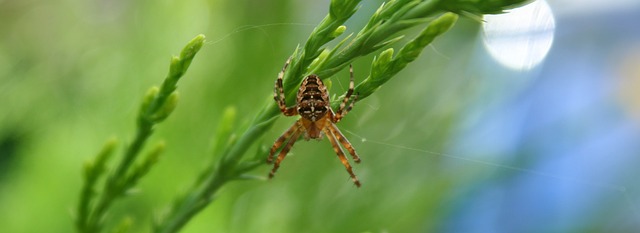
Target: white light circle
521 38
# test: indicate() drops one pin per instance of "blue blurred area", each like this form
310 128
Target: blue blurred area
564 148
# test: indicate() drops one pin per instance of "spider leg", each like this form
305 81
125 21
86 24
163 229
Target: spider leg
278 143
341 156
343 140
342 111
278 93
284 151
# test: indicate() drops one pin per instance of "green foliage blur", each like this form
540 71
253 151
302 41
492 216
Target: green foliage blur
73 72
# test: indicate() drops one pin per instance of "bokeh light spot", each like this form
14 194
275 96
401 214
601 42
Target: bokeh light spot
521 38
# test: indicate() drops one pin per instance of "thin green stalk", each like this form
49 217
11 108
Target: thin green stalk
156 106
225 172
142 135
191 205
92 171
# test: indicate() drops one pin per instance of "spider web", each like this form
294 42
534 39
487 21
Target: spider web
260 28
618 189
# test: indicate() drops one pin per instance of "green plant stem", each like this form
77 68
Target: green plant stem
368 38
191 205
156 106
142 135
224 172
92 171
112 188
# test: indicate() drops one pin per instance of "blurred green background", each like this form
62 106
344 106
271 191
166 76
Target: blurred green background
454 143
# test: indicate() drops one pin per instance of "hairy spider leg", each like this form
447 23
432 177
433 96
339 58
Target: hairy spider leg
342 111
278 143
335 118
342 157
343 140
278 93
284 151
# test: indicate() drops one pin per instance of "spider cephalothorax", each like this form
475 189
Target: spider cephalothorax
317 119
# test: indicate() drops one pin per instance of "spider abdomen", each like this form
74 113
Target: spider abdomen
313 100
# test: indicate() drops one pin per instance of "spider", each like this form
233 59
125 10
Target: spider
317 118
